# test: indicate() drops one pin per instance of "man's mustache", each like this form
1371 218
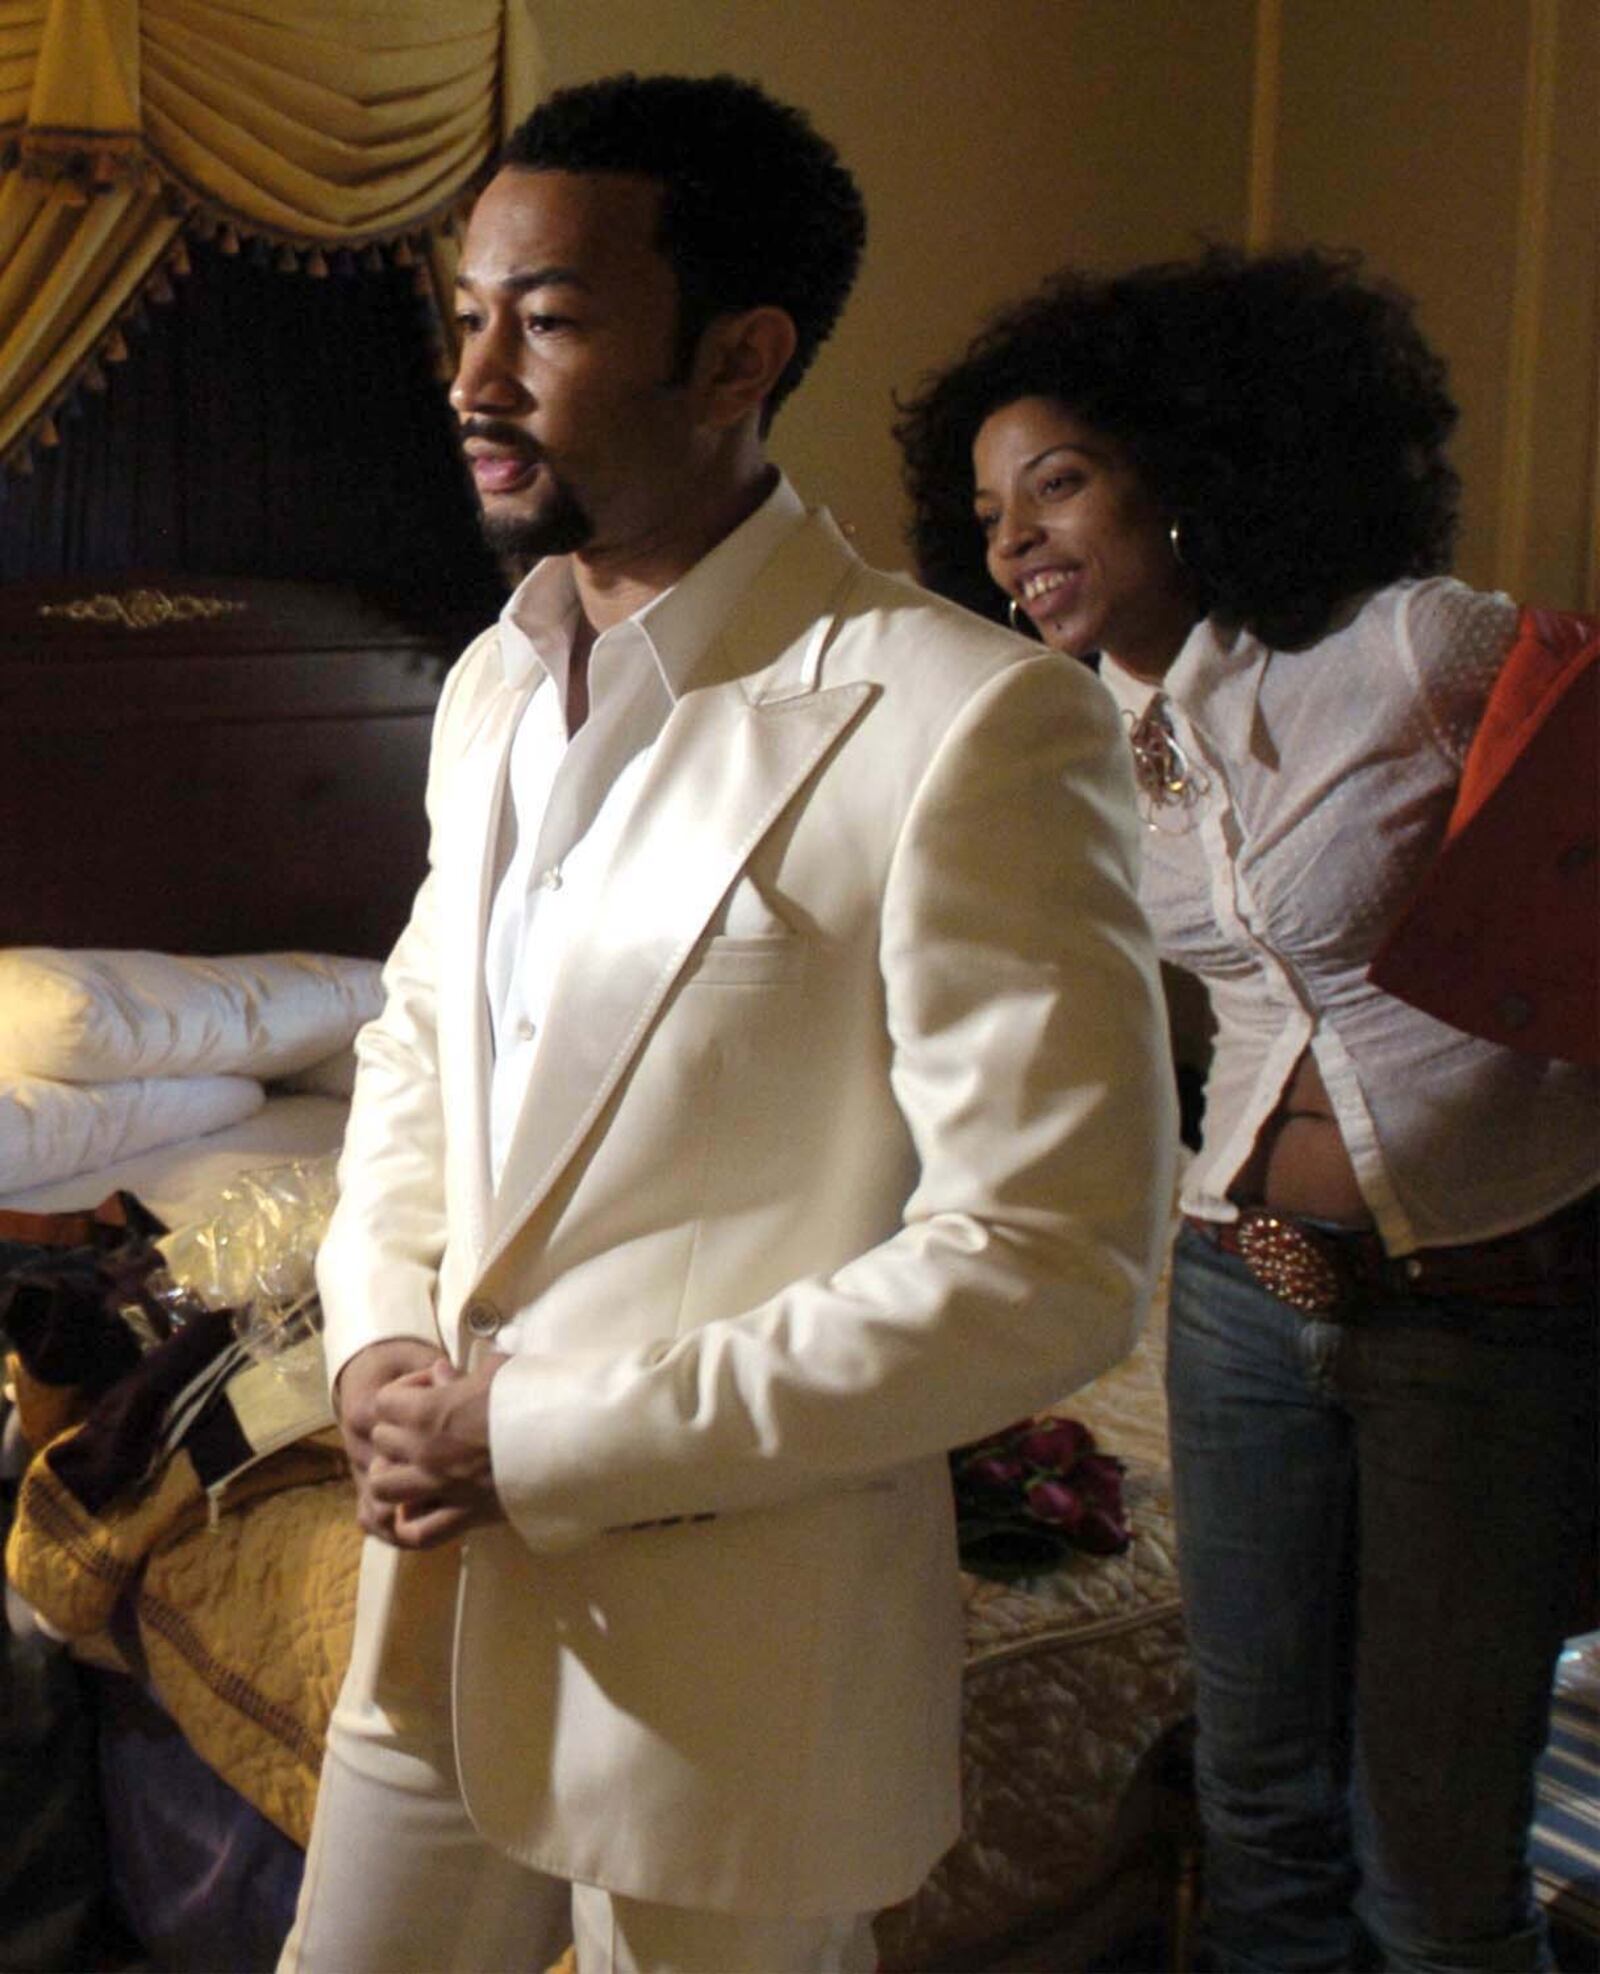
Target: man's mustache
492 432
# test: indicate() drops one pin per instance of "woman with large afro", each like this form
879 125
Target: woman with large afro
1224 479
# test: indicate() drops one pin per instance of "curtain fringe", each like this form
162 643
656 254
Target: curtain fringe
230 235
85 163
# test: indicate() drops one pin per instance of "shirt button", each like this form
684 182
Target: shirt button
525 1030
482 1318
550 880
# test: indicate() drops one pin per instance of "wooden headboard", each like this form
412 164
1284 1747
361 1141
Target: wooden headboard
212 765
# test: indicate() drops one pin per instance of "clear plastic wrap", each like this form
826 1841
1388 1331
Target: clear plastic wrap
254 1252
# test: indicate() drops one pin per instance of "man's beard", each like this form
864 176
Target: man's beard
560 526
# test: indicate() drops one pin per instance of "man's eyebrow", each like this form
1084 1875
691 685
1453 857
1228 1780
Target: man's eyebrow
524 283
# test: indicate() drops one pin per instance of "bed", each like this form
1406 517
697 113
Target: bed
208 767
188 766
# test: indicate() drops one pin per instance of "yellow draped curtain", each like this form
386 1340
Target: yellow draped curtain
315 124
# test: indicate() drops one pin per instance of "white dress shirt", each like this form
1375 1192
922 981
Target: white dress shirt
569 796
1323 781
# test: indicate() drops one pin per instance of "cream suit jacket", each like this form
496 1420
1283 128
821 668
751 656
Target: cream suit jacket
849 1138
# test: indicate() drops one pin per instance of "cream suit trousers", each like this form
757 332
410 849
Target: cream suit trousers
399 1882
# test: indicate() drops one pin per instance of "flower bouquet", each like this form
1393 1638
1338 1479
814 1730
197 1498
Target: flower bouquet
1026 1497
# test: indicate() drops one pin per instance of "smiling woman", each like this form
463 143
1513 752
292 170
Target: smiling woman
1225 478
1071 534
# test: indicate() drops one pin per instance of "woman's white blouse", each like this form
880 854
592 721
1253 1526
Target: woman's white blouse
1323 780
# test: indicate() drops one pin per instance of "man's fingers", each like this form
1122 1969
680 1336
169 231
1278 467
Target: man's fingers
425 1528
394 1480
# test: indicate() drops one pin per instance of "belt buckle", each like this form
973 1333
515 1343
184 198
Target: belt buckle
1290 1262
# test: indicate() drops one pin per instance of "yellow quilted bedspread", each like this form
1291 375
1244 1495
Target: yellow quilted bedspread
245 1625
243 1617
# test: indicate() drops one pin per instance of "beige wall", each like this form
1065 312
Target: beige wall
992 143
1454 141
1457 142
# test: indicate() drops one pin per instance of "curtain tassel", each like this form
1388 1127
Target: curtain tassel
317 264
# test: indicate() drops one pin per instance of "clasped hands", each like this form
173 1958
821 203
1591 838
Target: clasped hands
417 1432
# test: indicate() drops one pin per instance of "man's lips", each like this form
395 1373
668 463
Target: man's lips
499 457
498 472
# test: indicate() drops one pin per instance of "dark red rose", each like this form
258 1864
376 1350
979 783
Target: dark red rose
1058 1443
1099 1477
1102 1534
1054 1502
995 1469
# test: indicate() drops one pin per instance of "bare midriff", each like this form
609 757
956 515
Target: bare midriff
1300 1164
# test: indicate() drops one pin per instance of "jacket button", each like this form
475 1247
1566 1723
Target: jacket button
482 1318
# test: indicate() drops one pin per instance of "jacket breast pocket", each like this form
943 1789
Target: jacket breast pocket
759 960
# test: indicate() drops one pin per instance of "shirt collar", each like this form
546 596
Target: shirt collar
1207 650
539 616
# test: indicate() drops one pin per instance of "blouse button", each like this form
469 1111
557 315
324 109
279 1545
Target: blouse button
482 1318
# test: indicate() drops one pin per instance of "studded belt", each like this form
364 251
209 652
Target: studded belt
1324 1271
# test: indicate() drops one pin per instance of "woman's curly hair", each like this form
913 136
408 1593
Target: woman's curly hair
1286 414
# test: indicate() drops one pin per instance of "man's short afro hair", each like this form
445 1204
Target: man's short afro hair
756 209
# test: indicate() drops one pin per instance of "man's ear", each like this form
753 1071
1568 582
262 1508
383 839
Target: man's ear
740 359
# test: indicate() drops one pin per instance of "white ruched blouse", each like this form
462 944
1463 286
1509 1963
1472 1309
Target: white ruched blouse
1321 784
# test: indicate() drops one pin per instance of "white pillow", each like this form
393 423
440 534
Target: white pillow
102 1017
57 1130
334 1076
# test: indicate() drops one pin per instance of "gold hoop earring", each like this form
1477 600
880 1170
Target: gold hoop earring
1013 615
1175 536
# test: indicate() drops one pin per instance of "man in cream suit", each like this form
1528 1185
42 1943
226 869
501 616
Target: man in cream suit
772 1093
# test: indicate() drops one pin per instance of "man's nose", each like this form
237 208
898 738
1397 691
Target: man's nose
486 379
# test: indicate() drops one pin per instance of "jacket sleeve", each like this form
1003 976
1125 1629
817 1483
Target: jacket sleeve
1030 1061
378 1264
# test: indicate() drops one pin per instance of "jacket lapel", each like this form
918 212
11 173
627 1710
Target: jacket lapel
732 755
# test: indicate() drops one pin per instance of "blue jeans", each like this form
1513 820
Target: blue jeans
1381 1525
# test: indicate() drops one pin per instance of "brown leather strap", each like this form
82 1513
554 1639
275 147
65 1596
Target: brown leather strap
105 1225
